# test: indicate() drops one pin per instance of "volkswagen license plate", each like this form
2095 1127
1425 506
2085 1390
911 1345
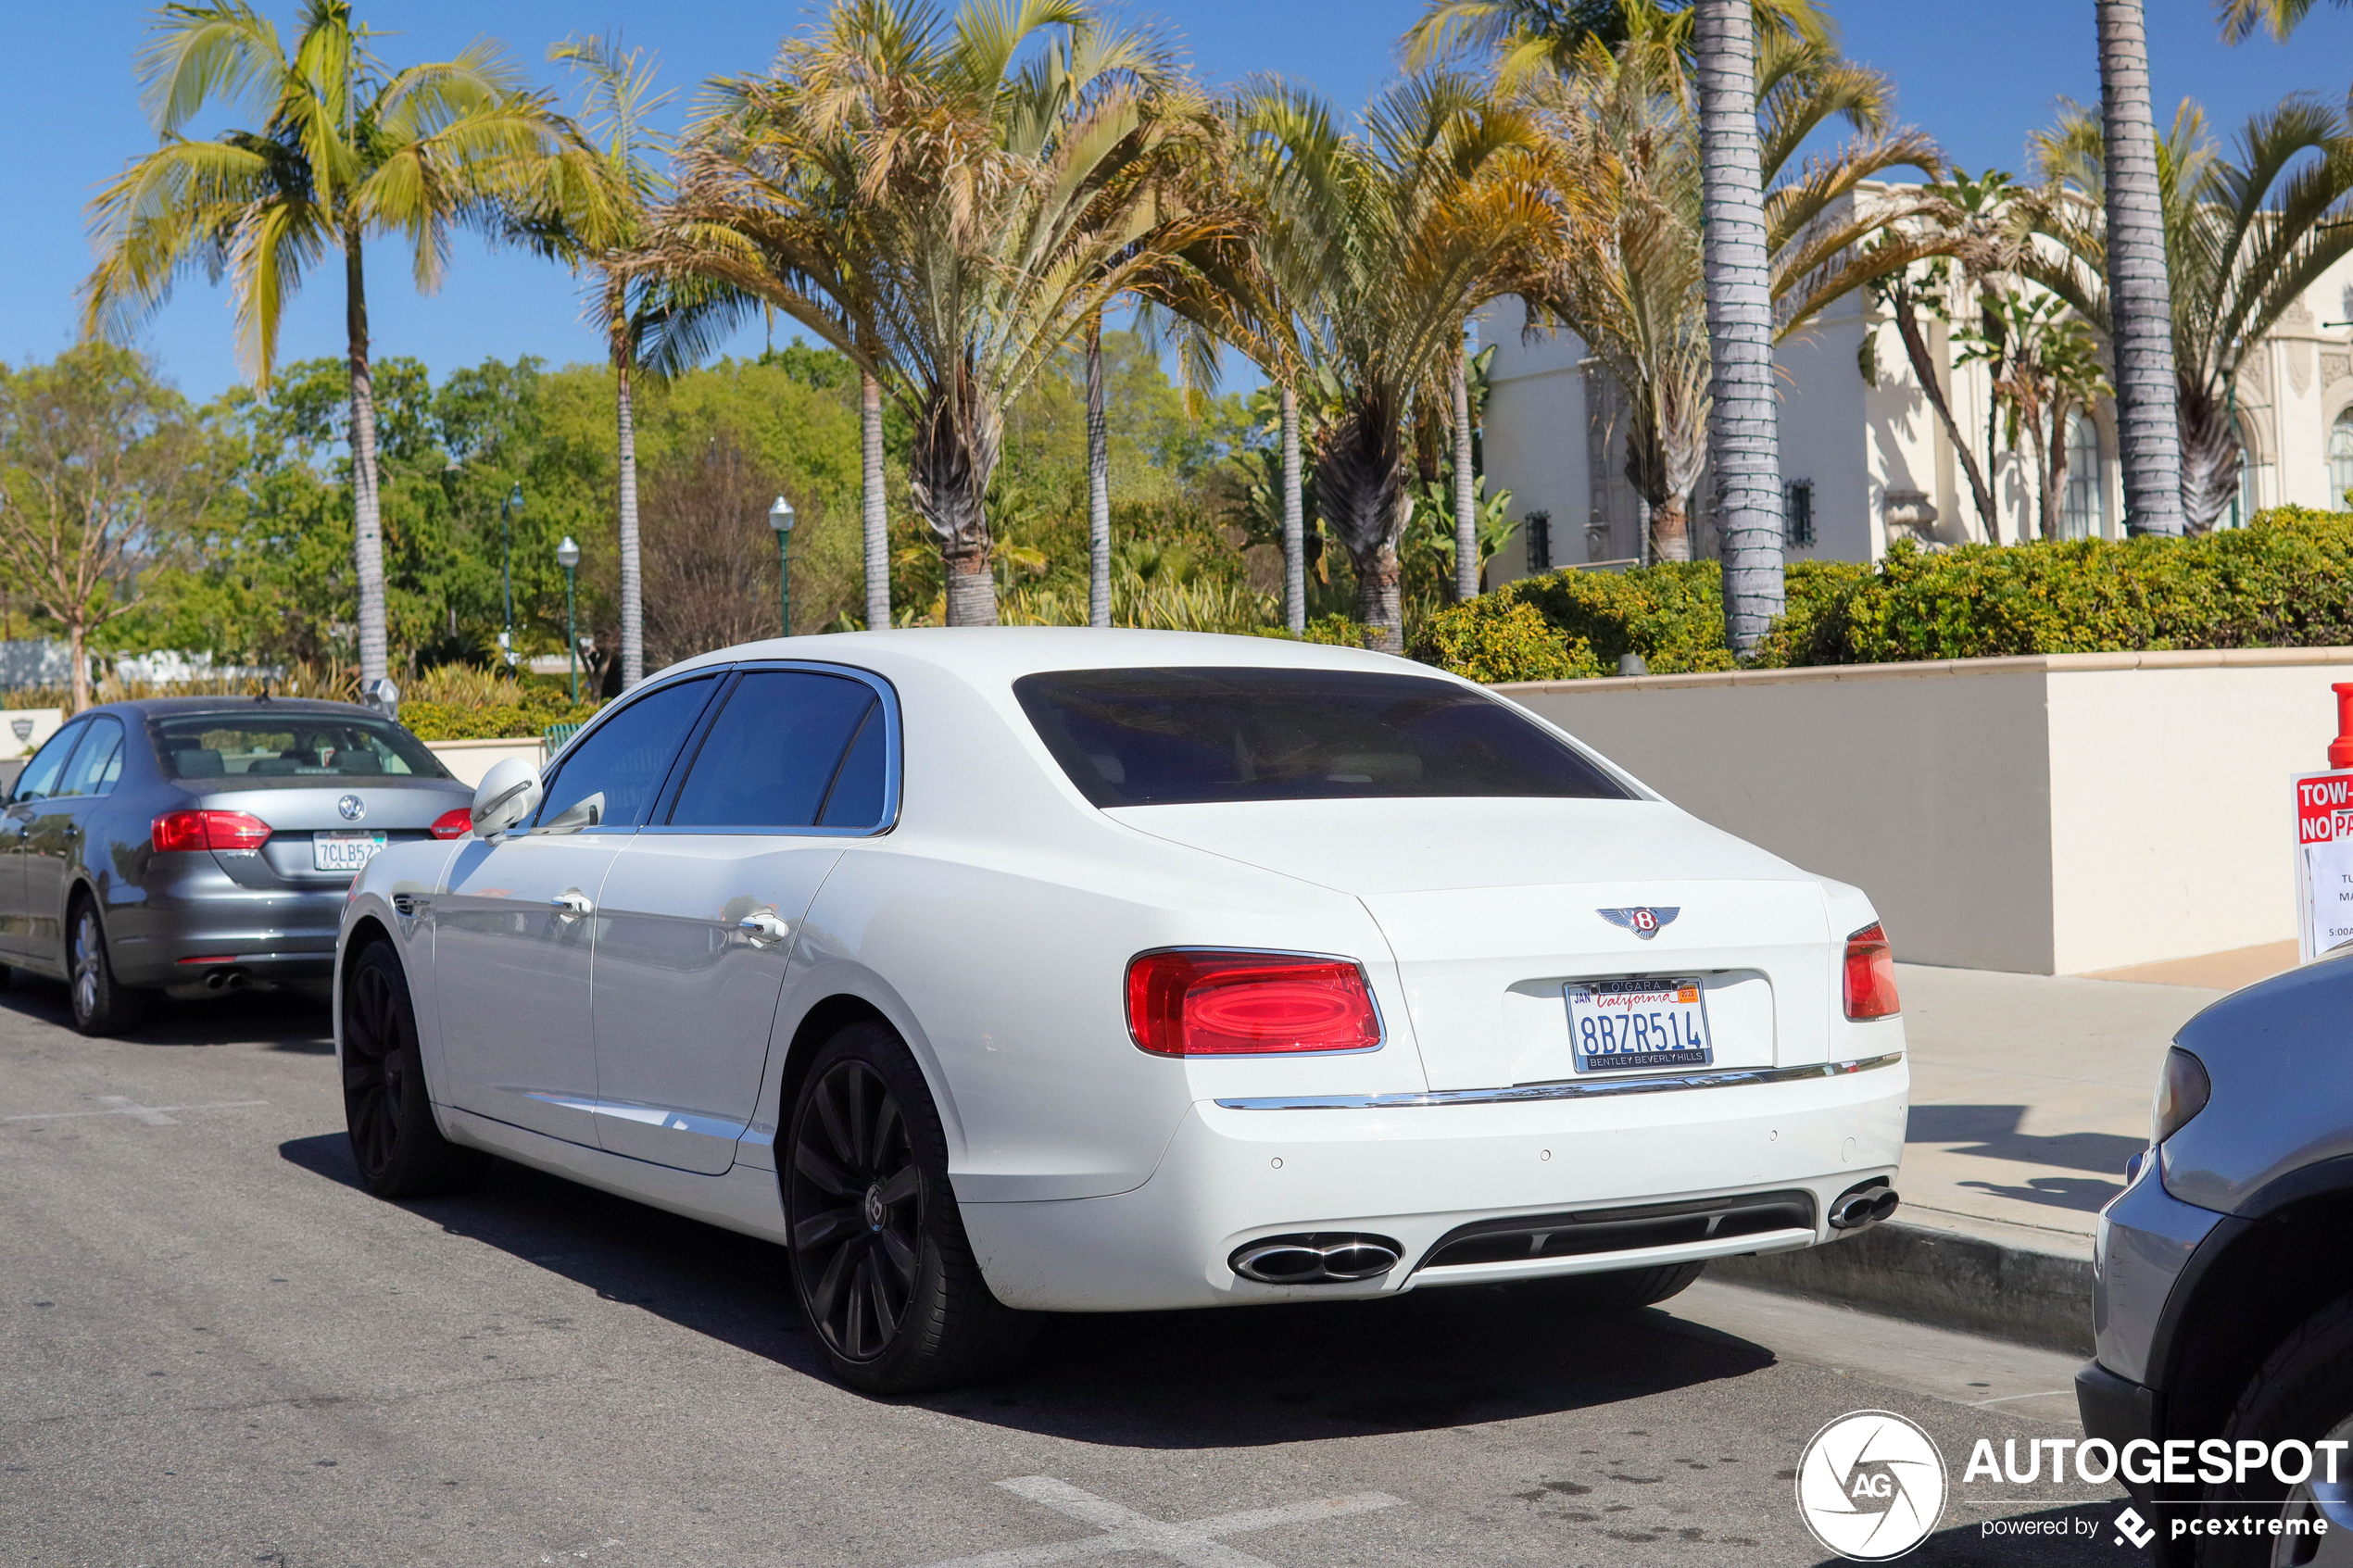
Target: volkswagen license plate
344 851
1615 1025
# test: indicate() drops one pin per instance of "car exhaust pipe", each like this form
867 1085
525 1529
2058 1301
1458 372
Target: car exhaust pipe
224 980
1865 1205
1318 1259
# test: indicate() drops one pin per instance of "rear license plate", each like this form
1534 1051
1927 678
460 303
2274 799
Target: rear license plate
1616 1024
344 851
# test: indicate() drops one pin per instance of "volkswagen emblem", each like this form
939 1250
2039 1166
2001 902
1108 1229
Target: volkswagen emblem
1643 920
351 808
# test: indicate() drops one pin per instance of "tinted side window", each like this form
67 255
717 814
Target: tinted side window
617 769
97 761
39 780
774 753
857 798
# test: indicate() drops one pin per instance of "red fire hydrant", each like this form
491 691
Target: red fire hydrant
2341 749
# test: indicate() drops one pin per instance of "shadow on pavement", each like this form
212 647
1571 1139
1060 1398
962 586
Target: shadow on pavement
1991 1131
283 1020
1154 1379
2079 1193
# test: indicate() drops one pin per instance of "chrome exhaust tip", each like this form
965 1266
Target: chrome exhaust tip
225 980
1317 1259
1866 1205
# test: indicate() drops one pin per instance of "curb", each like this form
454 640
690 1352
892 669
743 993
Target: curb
2027 1294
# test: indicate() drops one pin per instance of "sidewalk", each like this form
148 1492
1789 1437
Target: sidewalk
2030 1093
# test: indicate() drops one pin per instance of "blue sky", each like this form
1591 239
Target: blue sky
1977 74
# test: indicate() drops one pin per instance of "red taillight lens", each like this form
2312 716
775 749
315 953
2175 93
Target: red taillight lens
183 832
1248 1004
1871 974
454 823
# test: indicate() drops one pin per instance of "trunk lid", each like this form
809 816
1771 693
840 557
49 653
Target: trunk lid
1491 906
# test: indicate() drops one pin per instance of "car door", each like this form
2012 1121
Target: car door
700 910
53 835
35 786
515 930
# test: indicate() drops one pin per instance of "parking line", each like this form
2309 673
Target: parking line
1192 1543
121 1105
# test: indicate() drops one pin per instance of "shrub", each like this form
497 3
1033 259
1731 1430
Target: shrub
2285 580
1338 631
1511 643
459 702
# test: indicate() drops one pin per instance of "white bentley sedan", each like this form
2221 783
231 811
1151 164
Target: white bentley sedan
1007 970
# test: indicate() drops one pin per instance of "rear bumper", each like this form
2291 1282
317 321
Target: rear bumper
270 933
1416 1172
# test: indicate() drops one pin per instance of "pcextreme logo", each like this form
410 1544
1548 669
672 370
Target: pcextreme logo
1871 1485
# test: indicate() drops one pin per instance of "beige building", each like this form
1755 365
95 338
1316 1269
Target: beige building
1864 464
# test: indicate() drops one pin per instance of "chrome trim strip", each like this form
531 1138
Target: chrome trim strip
1581 1090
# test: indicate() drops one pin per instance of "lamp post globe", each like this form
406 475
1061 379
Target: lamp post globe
781 518
568 557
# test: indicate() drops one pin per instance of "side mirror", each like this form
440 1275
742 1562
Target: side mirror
505 799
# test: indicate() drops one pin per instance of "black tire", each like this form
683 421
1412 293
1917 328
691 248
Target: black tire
386 1107
879 1259
102 1005
1620 1290
2305 1391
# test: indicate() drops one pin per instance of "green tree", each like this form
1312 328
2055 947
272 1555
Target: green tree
946 202
348 149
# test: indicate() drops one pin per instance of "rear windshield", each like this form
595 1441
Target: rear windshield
290 745
1178 737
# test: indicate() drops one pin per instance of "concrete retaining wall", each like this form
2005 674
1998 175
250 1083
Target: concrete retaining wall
2051 815
468 760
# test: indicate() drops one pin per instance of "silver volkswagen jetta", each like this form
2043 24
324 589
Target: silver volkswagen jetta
192 843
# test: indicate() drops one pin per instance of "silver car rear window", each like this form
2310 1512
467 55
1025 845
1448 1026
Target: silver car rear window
290 743
1178 736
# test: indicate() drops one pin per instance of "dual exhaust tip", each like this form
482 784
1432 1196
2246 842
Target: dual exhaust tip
1319 1257
1866 1205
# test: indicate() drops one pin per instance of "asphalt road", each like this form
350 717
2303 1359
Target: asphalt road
215 1350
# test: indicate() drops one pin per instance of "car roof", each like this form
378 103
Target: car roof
167 706
999 655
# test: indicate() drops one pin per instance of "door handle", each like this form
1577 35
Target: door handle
571 903
765 924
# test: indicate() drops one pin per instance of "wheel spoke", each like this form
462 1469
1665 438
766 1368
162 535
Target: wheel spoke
825 1293
854 1084
845 1147
886 1320
903 1185
825 1173
823 1227
901 1256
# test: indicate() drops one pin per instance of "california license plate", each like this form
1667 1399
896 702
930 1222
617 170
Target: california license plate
1616 1024
344 851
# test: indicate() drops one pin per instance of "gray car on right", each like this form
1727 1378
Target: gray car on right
2223 1302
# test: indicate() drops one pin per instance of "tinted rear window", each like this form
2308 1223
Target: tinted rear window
1178 737
256 742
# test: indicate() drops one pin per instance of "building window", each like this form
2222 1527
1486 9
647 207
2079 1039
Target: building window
1797 513
2341 459
1540 541
2084 515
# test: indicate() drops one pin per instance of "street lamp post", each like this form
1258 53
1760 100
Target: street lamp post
568 557
780 517
508 509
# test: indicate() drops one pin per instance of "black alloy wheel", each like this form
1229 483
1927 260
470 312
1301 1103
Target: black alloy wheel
398 1148
102 1005
880 1261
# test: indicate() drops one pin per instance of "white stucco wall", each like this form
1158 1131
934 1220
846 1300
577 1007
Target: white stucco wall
2048 815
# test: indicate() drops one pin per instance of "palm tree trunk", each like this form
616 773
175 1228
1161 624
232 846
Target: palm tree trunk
367 523
870 446
1670 531
955 451
1294 520
1362 469
633 572
2140 304
1098 483
2211 458
1379 599
1744 436
1466 494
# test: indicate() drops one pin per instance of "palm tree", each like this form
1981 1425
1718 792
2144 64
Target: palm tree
1097 481
1372 251
947 214
2141 336
2278 18
2247 234
1530 39
1627 273
349 149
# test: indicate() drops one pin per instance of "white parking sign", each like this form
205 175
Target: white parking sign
2324 863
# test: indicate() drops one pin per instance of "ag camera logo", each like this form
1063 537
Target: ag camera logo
1871 1485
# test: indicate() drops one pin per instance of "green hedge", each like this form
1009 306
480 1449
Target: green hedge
450 720
2286 580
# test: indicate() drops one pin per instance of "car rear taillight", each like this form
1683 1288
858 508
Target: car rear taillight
184 831
1871 974
1212 1003
454 823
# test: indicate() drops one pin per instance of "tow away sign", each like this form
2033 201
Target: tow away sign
2323 862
